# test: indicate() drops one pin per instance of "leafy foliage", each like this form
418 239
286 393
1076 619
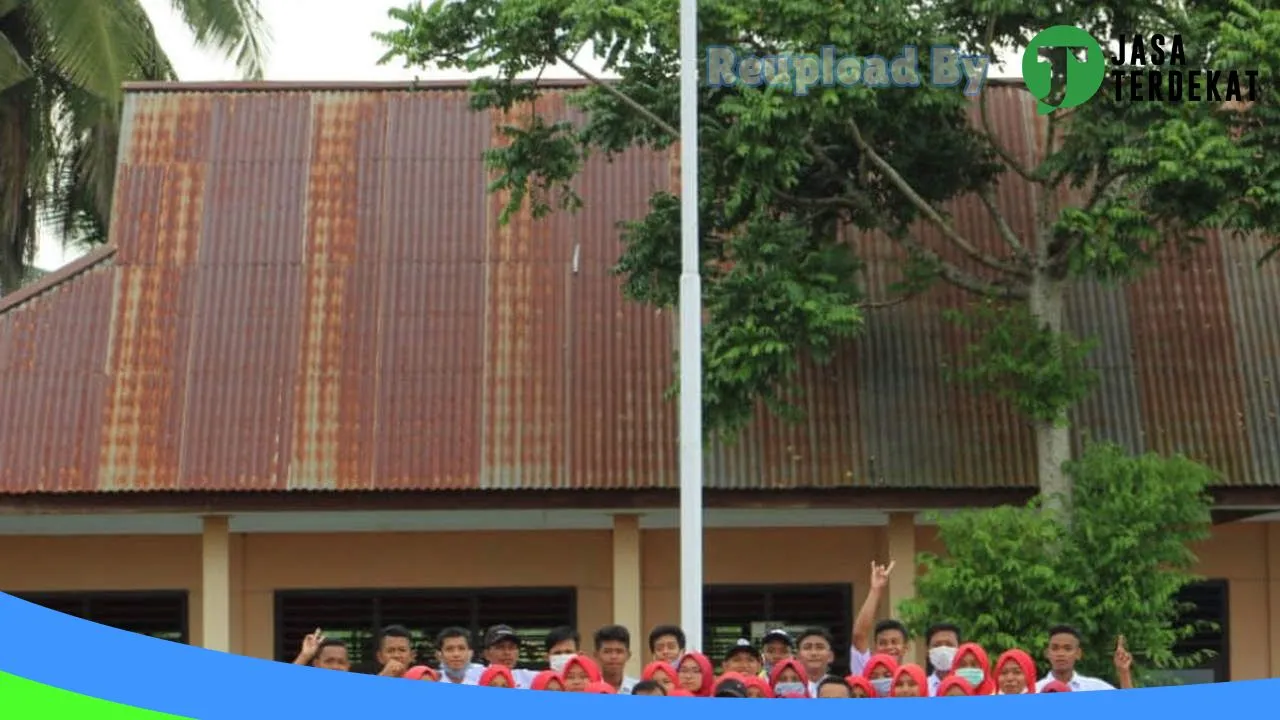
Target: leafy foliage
1041 372
62 64
1012 572
774 163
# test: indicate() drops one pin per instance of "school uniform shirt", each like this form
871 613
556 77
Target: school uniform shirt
628 684
1078 683
471 677
524 678
934 682
858 660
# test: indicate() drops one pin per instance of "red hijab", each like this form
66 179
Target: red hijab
759 683
494 672
659 666
986 687
953 681
1055 686
588 666
420 672
857 681
917 673
794 665
1024 662
545 678
601 688
680 692
708 673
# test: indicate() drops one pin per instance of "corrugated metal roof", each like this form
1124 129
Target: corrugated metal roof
311 291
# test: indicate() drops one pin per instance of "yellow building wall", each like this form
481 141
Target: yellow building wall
1246 554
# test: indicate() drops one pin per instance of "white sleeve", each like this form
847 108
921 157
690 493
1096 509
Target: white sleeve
858 660
524 678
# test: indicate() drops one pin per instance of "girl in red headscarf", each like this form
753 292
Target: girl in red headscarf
579 672
601 688
879 672
1015 673
787 679
910 681
695 674
1055 686
680 692
972 664
661 673
547 680
421 672
860 687
953 685
758 687
497 676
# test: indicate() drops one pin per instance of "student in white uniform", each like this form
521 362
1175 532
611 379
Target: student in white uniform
887 637
1064 652
667 643
942 640
562 643
613 651
813 651
453 650
502 647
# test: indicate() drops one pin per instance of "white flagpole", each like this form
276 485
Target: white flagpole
690 337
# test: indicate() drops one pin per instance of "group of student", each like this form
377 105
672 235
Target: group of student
781 666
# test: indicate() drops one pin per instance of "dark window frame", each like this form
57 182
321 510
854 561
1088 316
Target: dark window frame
840 594
86 598
474 597
1220 664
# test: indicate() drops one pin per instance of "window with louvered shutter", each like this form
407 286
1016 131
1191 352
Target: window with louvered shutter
159 614
749 611
1209 608
355 616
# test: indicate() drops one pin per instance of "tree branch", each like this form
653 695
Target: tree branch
1002 226
882 304
928 211
621 96
962 279
993 139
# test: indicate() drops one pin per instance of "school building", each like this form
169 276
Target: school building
312 382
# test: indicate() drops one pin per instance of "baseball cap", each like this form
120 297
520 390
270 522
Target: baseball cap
731 688
742 645
775 635
498 633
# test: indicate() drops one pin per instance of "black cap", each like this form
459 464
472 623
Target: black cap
498 633
731 688
743 645
777 634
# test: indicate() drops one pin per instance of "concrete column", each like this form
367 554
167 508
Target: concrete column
215 590
626 585
900 539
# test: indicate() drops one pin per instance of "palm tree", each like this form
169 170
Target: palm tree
62 64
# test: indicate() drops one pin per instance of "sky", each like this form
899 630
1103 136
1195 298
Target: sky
327 40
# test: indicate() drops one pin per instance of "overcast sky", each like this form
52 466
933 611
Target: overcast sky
310 40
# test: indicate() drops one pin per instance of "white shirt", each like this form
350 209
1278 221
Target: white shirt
628 684
934 682
858 660
470 677
1078 683
524 678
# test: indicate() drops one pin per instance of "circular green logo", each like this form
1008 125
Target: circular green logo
1083 77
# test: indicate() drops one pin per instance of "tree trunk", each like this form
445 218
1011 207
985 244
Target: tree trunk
1053 440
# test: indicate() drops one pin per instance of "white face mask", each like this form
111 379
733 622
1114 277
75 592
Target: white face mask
882 686
972 675
557 662
941 657
790 690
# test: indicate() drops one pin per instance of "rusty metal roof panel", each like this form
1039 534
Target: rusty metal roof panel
1253 295
52 388
312 293
1191 394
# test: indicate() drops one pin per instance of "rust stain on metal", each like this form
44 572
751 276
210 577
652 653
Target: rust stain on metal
312 291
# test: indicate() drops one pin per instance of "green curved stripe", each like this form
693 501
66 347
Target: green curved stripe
22 699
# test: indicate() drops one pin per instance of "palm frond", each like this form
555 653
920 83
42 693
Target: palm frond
233 28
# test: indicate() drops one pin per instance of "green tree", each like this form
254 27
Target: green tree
780 172
62 64
1011 572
